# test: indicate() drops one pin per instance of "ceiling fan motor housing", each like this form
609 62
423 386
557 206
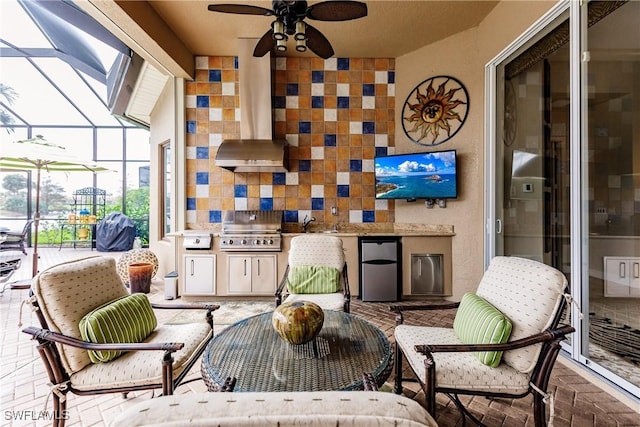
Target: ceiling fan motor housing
290 12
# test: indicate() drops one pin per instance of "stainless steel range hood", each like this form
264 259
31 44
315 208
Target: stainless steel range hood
256 151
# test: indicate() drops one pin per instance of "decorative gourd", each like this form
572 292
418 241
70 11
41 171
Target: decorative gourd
298 322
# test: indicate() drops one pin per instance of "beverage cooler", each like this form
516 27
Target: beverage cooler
380 268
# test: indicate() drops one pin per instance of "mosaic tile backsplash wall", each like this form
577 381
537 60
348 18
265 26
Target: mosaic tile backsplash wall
336 115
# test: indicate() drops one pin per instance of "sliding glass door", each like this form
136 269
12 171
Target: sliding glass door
565 170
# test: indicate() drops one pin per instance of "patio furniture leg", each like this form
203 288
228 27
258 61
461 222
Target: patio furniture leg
429 386
397 383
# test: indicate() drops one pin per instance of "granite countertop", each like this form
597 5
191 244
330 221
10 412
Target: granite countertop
347 230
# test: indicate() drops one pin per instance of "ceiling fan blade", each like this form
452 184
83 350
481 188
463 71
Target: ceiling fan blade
242 9
338 10
318 43
265 44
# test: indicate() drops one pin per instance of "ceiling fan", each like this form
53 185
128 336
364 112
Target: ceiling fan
290 15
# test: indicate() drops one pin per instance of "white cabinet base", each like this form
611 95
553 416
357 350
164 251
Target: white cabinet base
199 275
622 277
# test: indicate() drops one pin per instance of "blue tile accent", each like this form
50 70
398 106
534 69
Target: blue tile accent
304 127
292 89
279 178
215 75
368 128
343 102
317 203
330 140
391 77
355 165
317 102
235 62
317 77
279 102
381 151
202 152
191 126
304 165
202 101
266 203
290 216
215 216
240 190
343 191
368 89
202 178
343 64
368 216
191 203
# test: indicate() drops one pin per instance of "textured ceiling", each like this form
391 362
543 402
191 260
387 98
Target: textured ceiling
391 29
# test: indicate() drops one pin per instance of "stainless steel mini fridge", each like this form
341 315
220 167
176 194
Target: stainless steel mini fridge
380 268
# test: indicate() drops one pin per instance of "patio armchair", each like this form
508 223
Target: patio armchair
77 302
504 341
317 272
13 240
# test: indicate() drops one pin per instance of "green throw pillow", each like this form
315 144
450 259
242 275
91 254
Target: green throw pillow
478 322
129 319
313 279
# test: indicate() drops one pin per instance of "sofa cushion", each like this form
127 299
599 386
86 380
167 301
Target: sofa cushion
313 279
478 322
304 408
129 319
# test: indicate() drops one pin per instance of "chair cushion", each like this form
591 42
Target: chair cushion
313 279
334 301
478 322
316 249
457 370
129 319
135 368
68 291
529 293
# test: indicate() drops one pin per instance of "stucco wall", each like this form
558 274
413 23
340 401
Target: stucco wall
464 57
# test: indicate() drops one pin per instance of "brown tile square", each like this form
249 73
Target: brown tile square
343 165
190 88
355 140
304 191
202 114
190 113
342 76
317 64
381 64
304 178
330 77
317 178
305 113
215 62
228 62
343 153
343 115
355 152
355 203
291 203
317 115
355 76
202 75
368 77
317 128
202 127
202 88
215 127
214 88
228 114
304 76
291 192
279 191
229 101
368 64
228 203
304 203
355 114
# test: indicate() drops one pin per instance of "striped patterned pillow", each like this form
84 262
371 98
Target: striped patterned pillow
313 279
129 319
478 322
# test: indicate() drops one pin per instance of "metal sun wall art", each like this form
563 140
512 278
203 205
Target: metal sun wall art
432 116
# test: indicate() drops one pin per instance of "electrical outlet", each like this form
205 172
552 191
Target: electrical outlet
334 210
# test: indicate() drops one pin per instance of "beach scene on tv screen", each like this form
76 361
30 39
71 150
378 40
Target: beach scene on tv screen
419 176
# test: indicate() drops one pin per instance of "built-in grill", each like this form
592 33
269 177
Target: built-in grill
251 231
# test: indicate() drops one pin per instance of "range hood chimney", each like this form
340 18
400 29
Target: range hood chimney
256 151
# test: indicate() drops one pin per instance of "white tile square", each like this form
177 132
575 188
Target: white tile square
355 128
202 62
367 165
382 77
342 89
331 115
368 102
190 152
291 102
381 140
317 153
317 191
229 88
292 139
215 139
191 101
291 178
202 190
342 178
355 216
215 114
317 89
240 203
266 191
331 64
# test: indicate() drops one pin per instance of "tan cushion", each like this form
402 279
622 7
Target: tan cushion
145 367
457 370
316 249
323 408
333 301
68 291
529 293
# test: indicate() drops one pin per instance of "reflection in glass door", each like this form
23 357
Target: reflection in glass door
611 183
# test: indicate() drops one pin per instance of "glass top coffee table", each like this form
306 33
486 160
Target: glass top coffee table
252 352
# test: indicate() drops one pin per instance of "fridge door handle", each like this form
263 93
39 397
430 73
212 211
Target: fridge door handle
380 261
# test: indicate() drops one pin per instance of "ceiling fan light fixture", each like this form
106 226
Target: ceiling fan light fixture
278 30
301 45
281 45
300 31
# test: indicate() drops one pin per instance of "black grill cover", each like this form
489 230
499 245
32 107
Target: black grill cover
115 233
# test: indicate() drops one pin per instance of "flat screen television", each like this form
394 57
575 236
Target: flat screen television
413 176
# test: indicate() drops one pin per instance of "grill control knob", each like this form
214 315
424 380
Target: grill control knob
231 241
271 241
243 242
256 242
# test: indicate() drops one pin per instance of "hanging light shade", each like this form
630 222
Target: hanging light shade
281 45
301 28
278 30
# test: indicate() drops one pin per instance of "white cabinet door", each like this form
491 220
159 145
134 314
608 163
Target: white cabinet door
252 274
200 274
239 269
264 275
621 277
